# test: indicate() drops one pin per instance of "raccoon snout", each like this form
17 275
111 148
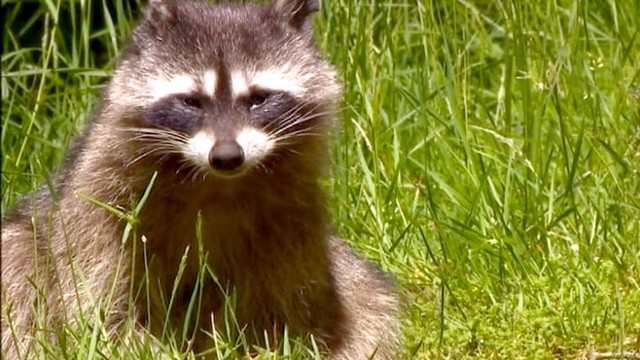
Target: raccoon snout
226 156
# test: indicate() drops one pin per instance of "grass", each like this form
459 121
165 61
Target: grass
489 158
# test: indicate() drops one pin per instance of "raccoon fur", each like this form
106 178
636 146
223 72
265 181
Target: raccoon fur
219 114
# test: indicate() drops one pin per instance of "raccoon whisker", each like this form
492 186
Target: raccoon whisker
186 163
294 130
156 134
158 139
296 122
183 169
166 144
294 151
286 145
264 168
298 134
198 174
161 159
193 172
155 151
137 159
147 151
164 149
151 130
150 145
284 130
144 153
160 143
155 137
295 109
293 114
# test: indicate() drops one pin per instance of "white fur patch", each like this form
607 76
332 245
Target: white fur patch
255 144
278 80
209 83
198 148
163 87
239 84
275 80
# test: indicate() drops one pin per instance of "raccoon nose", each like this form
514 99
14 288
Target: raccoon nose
226 156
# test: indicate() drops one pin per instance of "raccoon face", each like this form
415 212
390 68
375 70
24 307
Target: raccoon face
224 87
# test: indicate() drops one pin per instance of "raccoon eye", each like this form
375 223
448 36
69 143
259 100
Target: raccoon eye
191 101
258 98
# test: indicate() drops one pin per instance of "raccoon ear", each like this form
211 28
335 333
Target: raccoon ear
158 16
296 12
161 11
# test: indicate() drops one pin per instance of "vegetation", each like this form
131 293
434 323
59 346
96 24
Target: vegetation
489 158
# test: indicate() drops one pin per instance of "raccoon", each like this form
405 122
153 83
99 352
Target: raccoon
216 122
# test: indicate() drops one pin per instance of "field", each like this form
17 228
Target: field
488 158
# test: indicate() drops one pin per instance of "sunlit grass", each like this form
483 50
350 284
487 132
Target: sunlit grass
489 159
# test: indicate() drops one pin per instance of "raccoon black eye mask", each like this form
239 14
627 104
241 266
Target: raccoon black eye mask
220 115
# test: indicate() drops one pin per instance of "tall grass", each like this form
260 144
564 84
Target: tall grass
489 156
490 159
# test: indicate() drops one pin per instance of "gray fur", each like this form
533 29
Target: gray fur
265 234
